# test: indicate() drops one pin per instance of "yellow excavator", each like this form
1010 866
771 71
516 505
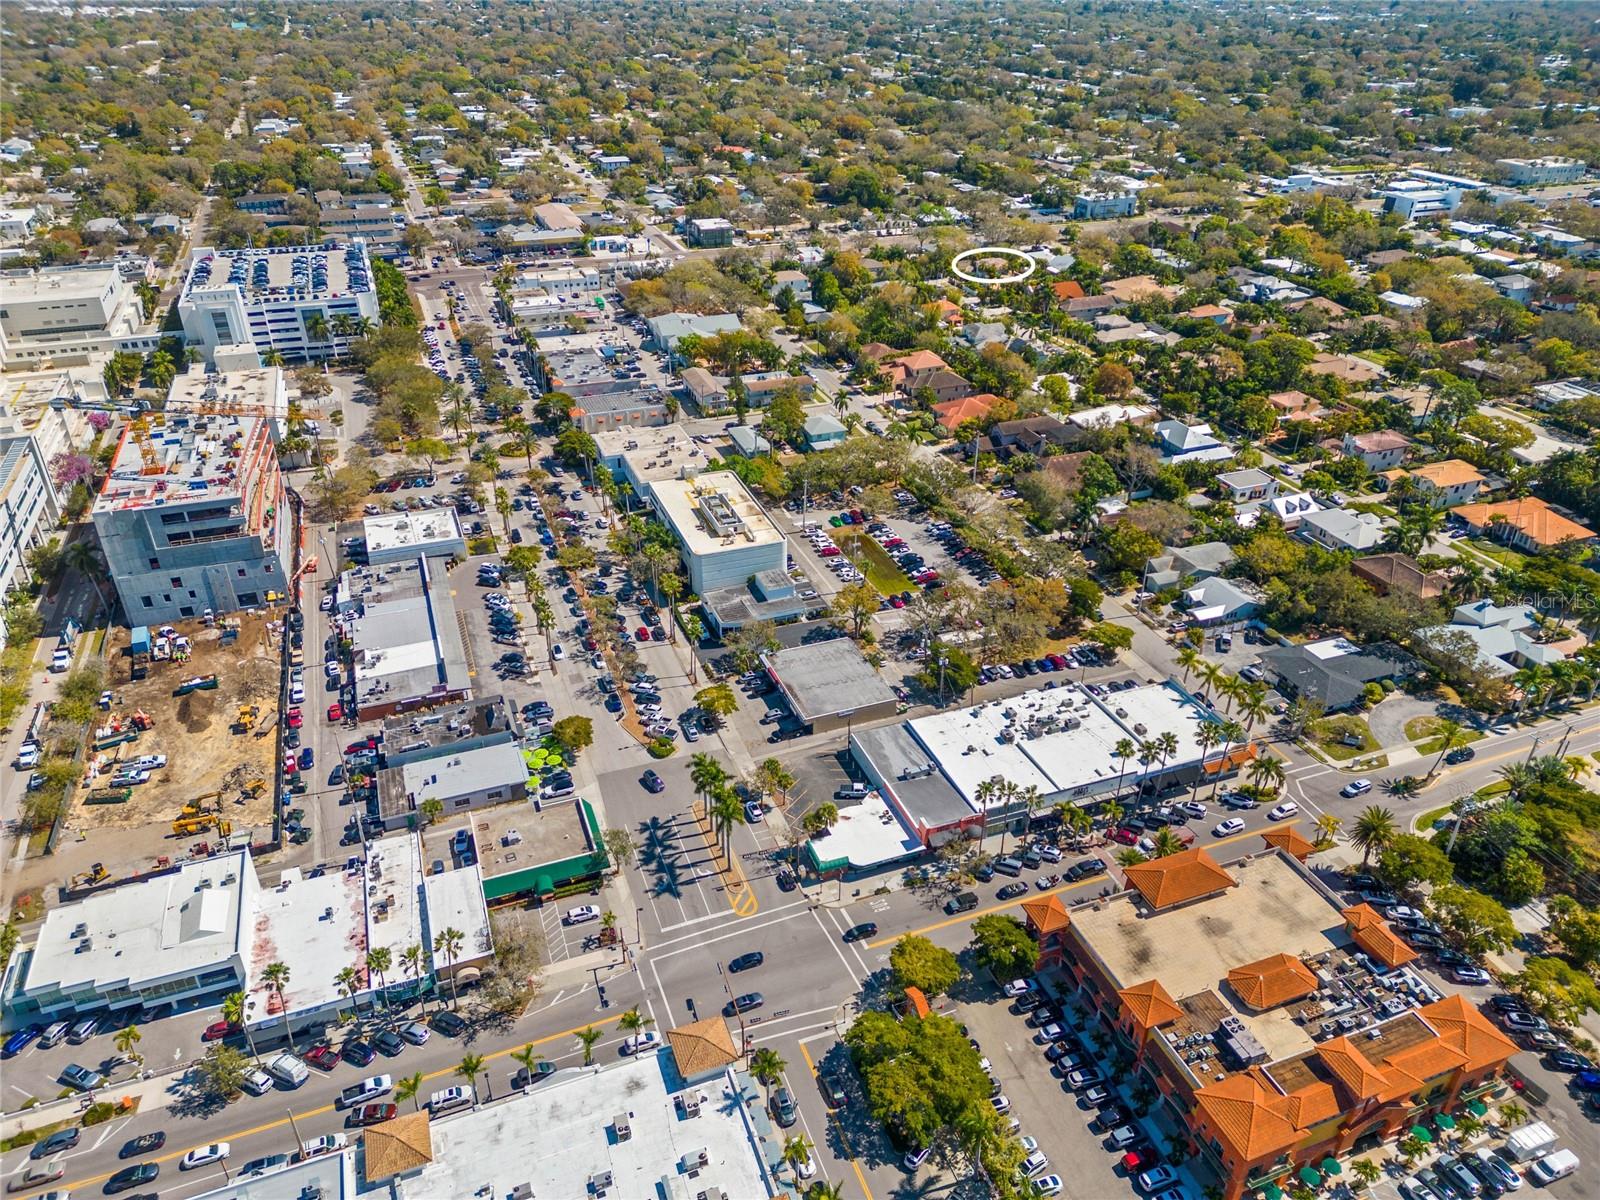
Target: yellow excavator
194 818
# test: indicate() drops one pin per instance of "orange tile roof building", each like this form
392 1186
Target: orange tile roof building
1277 1029
1528 523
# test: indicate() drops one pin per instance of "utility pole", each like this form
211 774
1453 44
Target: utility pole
738 1013
298 1141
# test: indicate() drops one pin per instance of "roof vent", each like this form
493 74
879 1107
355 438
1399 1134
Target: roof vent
599 1182
620 1126
695 1160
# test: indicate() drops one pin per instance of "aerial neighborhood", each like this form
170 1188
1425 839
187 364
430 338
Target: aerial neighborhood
800 602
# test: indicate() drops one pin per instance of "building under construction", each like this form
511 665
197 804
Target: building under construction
192 518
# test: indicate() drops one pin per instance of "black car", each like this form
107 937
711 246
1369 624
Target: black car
653 782
1569 1061
389 1042
1460 754
746 962
744 1003
857 933
1010 890
1507 1003
1088 867
132 1177
833 1093
786 880
786 735
984 873
145 1143
358 1053
1110 1118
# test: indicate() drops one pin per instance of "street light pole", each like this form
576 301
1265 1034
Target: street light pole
738 1013
298 1141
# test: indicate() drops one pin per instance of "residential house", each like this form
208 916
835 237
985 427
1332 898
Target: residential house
1505 637
1215 600
1179 441
747 440
952 414
1067 290
822 431
1547 396
1348 367
706 391
18 224
1527 523
1214 313
899 367
1334 671
1517 287
1247 485
1028 435
1183 564
943 383
1108 416
1447 483
1341 529
1295 406
1134 288
1380 450
1087 308
108 227
710 231
1067 469
1290 508
795 281
947 313
1399 574
1332 309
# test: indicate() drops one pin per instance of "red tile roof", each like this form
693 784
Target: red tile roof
1151 1004
1372 934
1178 878
1045 914
1276 979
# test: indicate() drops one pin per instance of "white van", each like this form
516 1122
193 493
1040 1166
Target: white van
288 1070
257 1082
1552 1167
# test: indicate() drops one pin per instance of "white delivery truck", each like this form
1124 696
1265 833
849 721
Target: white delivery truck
1528 1142
1552 1167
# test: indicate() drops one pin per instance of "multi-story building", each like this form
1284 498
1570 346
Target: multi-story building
1525 172
192 516
1095 206
379 225
28 508
710 231
61 317
300 302
1276 1029
726 536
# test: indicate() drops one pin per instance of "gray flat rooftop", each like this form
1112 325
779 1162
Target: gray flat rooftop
822 679
411 734
426 532
185 458
407 640
407 788
903 763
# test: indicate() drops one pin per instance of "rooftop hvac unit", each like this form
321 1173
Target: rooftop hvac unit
1141 730
79 930
695 1160
523 1191
620 1126
709 1194
230 877
599 1182
84 946
689 1104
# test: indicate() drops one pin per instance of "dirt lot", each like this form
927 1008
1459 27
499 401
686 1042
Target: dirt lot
195 731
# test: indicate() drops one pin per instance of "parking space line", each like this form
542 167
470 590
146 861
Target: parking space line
968 917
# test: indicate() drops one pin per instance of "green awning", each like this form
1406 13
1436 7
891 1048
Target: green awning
1272 1192
1478 1108
1422 1133
543 885
1444 1121
1330 1166
1309 1176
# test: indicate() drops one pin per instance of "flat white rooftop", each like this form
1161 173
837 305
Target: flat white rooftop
1059 740
556 1140
464 773
866 835
413 532
260 391
316 928
455 901
21 287
181 924
394 898
713 513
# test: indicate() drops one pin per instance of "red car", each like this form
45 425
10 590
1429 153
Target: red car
323 1057
218 1030
294 720
335 711
893 543
371 1114
860 517
828 552
1140 1158
1058 662
642 634
590 644
360 747
1124 836
290 765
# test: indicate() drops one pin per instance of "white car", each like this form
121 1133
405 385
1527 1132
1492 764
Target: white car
328 1143
148 762
1195 808
1279 812
1356 787
1019 987
1156 1178
557 652
581 914
203 1156
640 1042
1047 1185
1229 827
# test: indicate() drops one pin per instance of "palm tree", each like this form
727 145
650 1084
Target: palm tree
1166 842
449 942
316 323
127 1038
527 1056
1374 829
706 774
1512 1114
1267 771
85 559
634 1021
469 1068
796 1150
408 1088
1166 745
233 1008
348 981
1211 675
1365 1172
413 961
1124 750
379 960
1188 659
276 976
1451 734
726 812
1232 734
1130 856
1328 827
767 1066
1208 735
695 629
588 1036
671 588
1518 775
1252 705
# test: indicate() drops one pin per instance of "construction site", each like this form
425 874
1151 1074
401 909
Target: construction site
202 699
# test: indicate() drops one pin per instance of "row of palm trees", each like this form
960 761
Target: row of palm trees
1542 684
1232 690
447 944
714 786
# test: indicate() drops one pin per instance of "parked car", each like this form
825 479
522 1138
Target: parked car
202 1156
1356 787
746 962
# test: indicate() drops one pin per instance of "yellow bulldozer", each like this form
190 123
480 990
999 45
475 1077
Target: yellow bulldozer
249 714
